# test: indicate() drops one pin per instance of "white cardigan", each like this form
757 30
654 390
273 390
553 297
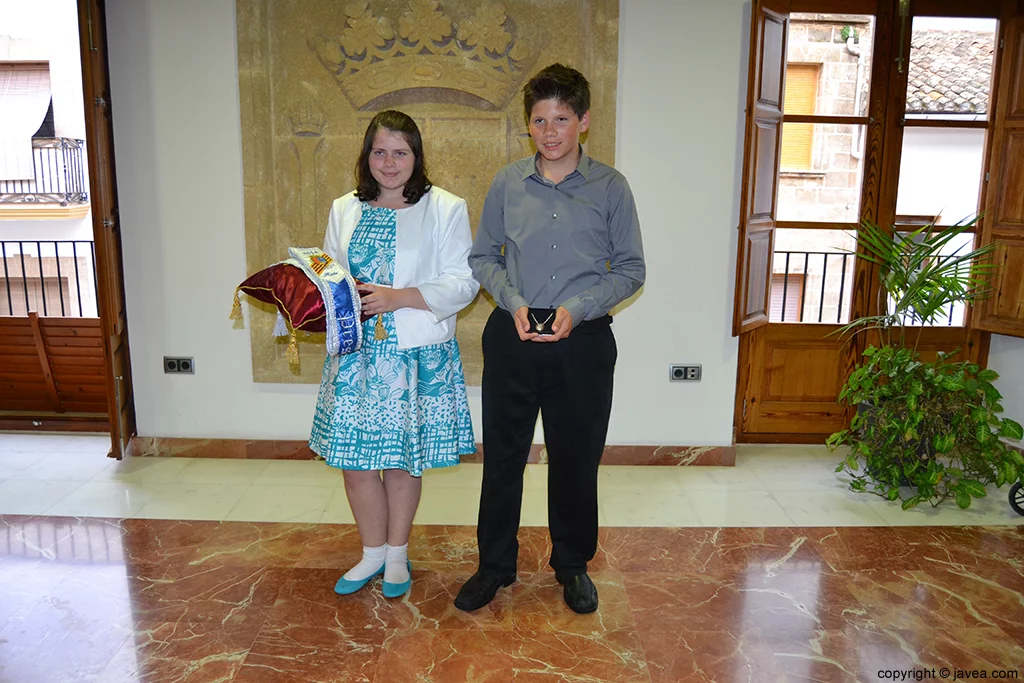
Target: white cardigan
432 245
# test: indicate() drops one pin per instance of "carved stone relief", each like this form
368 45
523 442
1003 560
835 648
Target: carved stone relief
312 73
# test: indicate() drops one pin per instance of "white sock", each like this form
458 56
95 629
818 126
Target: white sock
373 560
396 569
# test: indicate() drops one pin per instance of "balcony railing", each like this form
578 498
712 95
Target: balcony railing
59 176
815 287
50 277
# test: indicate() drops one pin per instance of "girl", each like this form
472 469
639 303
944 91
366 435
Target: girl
398 405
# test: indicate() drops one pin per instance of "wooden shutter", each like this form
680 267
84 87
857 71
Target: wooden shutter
801 95
1003 224
762 146
106 224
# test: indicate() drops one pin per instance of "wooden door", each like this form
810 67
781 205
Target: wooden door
106 225
1003 311
791 372
766 81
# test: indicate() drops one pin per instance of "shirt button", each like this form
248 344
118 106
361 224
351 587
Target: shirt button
552 277
554 246
554 215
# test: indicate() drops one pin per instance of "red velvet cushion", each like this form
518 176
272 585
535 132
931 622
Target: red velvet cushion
287 287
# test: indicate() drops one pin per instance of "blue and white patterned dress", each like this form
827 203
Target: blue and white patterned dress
382 407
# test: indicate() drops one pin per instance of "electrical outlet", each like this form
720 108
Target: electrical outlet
178 365
684 373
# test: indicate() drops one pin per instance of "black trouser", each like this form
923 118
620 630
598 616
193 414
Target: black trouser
570 382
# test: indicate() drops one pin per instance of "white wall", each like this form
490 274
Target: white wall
47 30
176 124
1006 356
940 173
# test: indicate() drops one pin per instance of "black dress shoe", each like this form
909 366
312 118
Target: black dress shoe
480 589
579 592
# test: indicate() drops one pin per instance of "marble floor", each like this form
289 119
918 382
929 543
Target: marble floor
221 570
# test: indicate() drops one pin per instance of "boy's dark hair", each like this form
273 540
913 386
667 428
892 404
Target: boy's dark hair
558 82
397 122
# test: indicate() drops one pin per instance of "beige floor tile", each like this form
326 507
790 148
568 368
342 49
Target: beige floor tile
193 501
30 497
105 499
646 508
266 503
738 508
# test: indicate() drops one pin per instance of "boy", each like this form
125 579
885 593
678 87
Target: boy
558 247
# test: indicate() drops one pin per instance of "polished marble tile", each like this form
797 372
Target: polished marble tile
254 544
139 599
497 656
326 654
180 651
757 580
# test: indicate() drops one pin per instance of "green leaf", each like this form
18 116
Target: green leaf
952 384
963 500
914 501
973 488
1011 429
988 375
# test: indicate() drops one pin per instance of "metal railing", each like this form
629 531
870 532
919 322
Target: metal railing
815 287
59 175
50 277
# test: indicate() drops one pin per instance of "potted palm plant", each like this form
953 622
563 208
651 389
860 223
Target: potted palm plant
924 430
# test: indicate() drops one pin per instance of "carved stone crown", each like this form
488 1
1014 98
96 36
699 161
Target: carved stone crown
483 55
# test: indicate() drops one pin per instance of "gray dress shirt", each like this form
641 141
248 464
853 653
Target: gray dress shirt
574 244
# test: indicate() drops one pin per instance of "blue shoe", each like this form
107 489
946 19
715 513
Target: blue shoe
396 590
346 587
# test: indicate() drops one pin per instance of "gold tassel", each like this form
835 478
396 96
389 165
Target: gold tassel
380 333
236 308
293 350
